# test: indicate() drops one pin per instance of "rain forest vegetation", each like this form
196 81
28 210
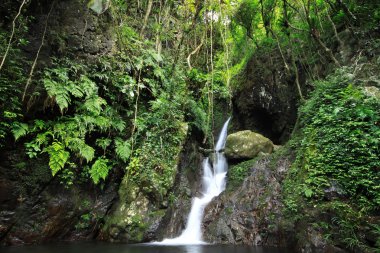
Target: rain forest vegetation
133 107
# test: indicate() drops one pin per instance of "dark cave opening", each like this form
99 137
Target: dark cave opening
272 125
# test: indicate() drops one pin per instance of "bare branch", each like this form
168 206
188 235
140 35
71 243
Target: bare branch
192 53
38 53
147 13
12 34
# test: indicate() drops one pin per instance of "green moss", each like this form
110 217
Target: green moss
335 178
237 173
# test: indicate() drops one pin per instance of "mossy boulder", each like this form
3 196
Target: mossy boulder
247 145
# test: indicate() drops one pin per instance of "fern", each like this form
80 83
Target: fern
78 145
102 122
62 98
58 92
88 86
123 149
94 104
58 156
39 125
59 87
86 152
19 129
43 138
75 90
103 143
118 124
99 170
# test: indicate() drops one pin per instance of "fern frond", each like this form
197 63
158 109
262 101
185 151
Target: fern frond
99 170
102 122
19 129
103 143
123 149
62 98
39 125
58 92
88 86
79 146
94 104
87 152
42 138
118 124
58 156
75 90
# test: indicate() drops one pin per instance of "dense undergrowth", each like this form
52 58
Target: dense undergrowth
334 181
131 108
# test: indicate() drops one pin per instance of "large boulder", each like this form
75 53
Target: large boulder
247 145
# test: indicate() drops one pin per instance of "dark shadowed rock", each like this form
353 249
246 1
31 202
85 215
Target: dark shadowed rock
252 213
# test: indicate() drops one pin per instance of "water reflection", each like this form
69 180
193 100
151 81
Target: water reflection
137 248
193 248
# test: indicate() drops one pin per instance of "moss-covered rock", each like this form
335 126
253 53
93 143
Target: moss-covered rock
247 145
252 212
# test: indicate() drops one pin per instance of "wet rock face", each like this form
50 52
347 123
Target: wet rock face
36 208
246 145
73 29
267 99
137 217
251 214
187 185
134 218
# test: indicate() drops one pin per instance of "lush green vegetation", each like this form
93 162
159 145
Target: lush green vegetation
132 108
336 169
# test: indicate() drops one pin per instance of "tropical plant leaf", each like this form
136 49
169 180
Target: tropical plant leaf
84 150
123 149
94 104
103 142
99 170
58 92
76 90
58 156
118 124
19 129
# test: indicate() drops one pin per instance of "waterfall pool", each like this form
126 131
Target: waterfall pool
137 248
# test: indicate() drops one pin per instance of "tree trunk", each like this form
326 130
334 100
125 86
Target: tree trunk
147 13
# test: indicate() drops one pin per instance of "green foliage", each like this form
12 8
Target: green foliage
84 221
61 89
341 144
66 137
96 104
19 129
154 163
58 156
12 76
99 170
247 16
123 149
237 173
338 152
83 150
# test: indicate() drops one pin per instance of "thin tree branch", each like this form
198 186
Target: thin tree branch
12 34
334 28
192 53
38 53
147 13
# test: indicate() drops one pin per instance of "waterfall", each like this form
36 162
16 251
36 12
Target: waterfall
214 182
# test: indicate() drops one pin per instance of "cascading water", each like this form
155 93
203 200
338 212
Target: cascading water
214 182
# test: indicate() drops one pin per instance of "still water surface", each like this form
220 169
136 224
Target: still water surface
137 248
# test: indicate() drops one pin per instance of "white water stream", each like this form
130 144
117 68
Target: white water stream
214 182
